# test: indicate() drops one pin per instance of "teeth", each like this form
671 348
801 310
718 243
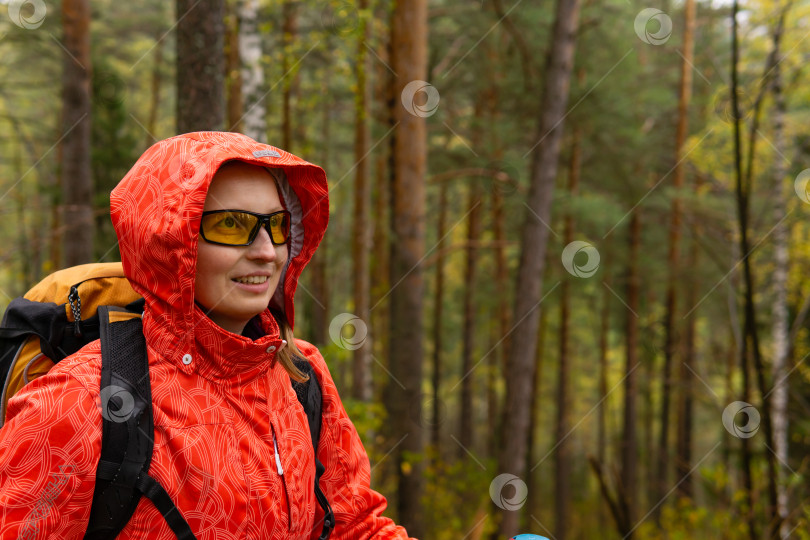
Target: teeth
252 279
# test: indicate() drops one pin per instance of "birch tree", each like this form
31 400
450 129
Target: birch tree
254 119
779 306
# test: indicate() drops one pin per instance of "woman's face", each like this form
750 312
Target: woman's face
223 272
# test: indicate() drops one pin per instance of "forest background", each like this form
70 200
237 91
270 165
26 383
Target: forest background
561 291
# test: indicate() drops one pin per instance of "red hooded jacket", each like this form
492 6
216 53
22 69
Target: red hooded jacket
218 398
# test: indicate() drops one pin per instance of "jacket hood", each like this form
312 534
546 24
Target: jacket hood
157 207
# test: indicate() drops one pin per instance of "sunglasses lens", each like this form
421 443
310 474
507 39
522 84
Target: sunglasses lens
231 228
279 227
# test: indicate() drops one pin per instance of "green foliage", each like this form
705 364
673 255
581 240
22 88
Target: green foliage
368 419
457 498
802 528
686 520
115 148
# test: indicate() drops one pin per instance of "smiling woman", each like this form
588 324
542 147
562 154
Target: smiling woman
235 283
214 230
242 251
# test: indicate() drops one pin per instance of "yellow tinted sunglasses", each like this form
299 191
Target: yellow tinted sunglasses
240 227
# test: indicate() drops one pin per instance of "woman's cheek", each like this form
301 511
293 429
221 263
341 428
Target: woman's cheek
212 266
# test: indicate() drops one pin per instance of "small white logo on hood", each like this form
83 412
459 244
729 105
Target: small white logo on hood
266 153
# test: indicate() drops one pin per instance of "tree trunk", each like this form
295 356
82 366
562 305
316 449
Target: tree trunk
732 357
685 404
233 75
77 181
629 444
497 359
673 259
200 65
27 243
157 79
532 498
438 317
562 469
254 121
496 362
380 263
765 390
604 334
646 430
289 29
534 238
744 189
381 194
562 466
361 237
403 402
319 328
742 216
469 332
683 462
728 397
779 329
474 213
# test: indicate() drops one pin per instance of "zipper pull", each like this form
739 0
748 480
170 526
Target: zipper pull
75 303
278 458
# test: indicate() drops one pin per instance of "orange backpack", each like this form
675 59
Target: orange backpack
37 331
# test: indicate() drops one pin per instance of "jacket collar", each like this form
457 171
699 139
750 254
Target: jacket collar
215 353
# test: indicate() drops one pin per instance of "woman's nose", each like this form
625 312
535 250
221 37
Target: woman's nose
262 248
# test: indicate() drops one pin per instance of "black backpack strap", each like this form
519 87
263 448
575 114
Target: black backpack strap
310 397
127 437
150 487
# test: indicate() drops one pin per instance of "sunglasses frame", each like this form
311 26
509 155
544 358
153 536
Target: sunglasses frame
264 221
